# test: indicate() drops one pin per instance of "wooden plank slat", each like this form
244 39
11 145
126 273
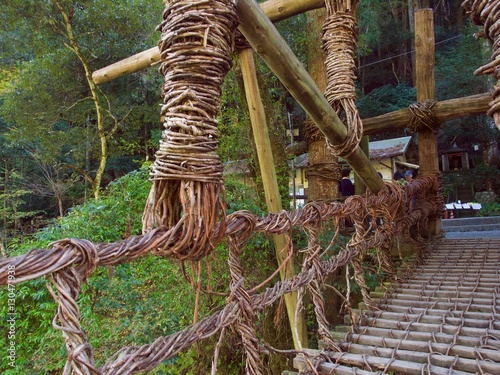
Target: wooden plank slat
466 351
379 363
431 319
441 360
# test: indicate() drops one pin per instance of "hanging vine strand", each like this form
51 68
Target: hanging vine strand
188 193
340 37
487 13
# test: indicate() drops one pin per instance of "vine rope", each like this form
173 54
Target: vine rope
423 116
340 37
196 46
185 214
68 263
487 13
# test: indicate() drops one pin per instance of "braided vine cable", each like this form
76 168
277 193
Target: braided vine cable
69 263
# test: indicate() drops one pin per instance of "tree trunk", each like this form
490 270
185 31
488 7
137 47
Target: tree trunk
321 186
271 46
425 84
95 183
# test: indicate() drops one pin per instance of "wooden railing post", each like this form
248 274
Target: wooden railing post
271 190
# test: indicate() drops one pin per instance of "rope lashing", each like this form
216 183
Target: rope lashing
423 116
240 42
487 13
312 132
340 36
196 49
331 171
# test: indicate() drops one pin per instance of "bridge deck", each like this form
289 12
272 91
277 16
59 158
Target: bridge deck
444 319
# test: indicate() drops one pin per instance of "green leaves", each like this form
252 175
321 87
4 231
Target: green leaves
386 99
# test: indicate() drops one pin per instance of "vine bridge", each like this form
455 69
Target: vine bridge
440 320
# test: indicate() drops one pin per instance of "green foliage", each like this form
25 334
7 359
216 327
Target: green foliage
386 99
476 177
489 209
456 62
132 303
233 126
46 100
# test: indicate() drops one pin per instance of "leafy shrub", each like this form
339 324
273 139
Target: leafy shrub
131 303
490 209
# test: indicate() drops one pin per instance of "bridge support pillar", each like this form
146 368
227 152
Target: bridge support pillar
426 89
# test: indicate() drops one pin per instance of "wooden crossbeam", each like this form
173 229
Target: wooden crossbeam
276 10
444 110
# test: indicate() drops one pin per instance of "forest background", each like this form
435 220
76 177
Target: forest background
74 156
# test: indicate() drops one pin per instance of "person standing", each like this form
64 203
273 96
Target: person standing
346 187
409 180
409 176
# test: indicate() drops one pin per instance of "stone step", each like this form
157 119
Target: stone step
470 221
472 224
473 228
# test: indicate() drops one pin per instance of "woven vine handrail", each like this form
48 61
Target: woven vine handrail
68 264
185 214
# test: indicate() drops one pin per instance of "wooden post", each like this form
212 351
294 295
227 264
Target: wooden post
276 10
269 44
425 84
359 186
321 186
444 110
271 190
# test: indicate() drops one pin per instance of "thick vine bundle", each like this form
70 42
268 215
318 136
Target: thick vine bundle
340 38
487 13
188 193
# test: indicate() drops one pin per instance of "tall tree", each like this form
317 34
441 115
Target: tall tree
55 85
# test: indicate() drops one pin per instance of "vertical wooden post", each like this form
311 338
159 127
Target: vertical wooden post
269 180
321 186
359 186
425 84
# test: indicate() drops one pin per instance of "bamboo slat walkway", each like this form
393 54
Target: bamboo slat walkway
443 319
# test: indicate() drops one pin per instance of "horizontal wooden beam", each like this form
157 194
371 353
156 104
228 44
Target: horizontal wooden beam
275 10
444 110
269 44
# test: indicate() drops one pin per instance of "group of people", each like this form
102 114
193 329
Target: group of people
403 178
346 187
